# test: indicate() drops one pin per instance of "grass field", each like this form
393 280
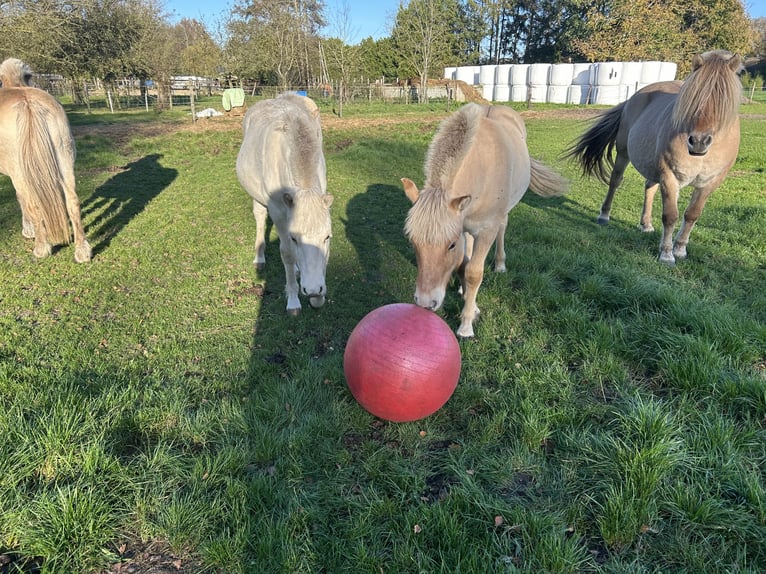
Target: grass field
158 409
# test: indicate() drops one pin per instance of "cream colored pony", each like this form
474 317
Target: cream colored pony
675 134
281 166
37 152
477 168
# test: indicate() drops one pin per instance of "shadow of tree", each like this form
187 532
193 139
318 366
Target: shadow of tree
118 200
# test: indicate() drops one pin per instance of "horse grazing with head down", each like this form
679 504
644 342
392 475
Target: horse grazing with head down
675 134
282 167
477 168
37 152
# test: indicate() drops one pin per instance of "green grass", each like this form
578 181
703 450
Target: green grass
610 415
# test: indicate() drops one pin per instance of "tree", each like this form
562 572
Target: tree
671 30
423 39
278 37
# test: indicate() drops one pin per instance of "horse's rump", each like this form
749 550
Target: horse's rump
45 150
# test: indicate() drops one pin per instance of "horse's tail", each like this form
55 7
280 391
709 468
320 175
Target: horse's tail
544 181
40 167
593 149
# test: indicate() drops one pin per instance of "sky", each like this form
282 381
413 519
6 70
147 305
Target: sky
365 17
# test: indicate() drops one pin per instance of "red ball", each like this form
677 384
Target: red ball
402 362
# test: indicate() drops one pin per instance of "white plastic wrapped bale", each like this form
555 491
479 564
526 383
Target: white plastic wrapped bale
578 94
519 93
668 71
537 77
488 91
560 77
519 87
650 72
503 74
581 74
630 80
449 73
487 74
606 73
608 95
468 74
519 74
560 74
502 93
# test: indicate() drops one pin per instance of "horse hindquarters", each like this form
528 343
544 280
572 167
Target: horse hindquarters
47 183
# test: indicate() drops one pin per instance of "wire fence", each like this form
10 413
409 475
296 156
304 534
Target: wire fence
206 97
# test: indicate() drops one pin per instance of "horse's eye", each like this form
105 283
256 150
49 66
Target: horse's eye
451 247
293 239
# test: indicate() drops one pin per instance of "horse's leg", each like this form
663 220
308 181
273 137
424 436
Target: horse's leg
691 215
260 213
620 163
468 250
82 249
31 223
473 276
650 189
669 191
500 248
289 260
27 227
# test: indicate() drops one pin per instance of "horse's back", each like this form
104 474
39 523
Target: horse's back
281 146
15 101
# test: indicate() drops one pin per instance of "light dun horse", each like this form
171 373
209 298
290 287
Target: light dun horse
37 152
477 168
675 134
282 167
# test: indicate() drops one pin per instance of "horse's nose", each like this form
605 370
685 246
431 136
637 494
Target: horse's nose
319 291
426 304
699 143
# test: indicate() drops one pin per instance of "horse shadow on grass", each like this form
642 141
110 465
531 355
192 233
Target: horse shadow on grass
117 201
374 226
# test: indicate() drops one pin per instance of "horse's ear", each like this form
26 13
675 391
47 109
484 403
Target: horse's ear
410 189
735 64
697 61
460 203
288 199
327 199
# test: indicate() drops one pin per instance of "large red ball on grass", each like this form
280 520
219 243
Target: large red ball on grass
402 362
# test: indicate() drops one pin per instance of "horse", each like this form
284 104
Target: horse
282 167
675 134
477 169
37 152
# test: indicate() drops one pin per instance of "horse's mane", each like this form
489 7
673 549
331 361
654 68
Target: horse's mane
710 94
15 74
450 145
305 136
430 219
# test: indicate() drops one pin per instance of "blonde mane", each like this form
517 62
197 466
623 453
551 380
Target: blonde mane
711 94
431 220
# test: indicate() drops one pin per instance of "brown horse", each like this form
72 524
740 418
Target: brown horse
37 152
675 134
477 168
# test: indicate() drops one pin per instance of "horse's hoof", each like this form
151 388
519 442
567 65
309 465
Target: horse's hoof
294 312
465 333
42 251
646 228
260 266
83 254
602 220
668 260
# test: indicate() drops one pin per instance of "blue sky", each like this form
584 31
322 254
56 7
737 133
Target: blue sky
366 17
